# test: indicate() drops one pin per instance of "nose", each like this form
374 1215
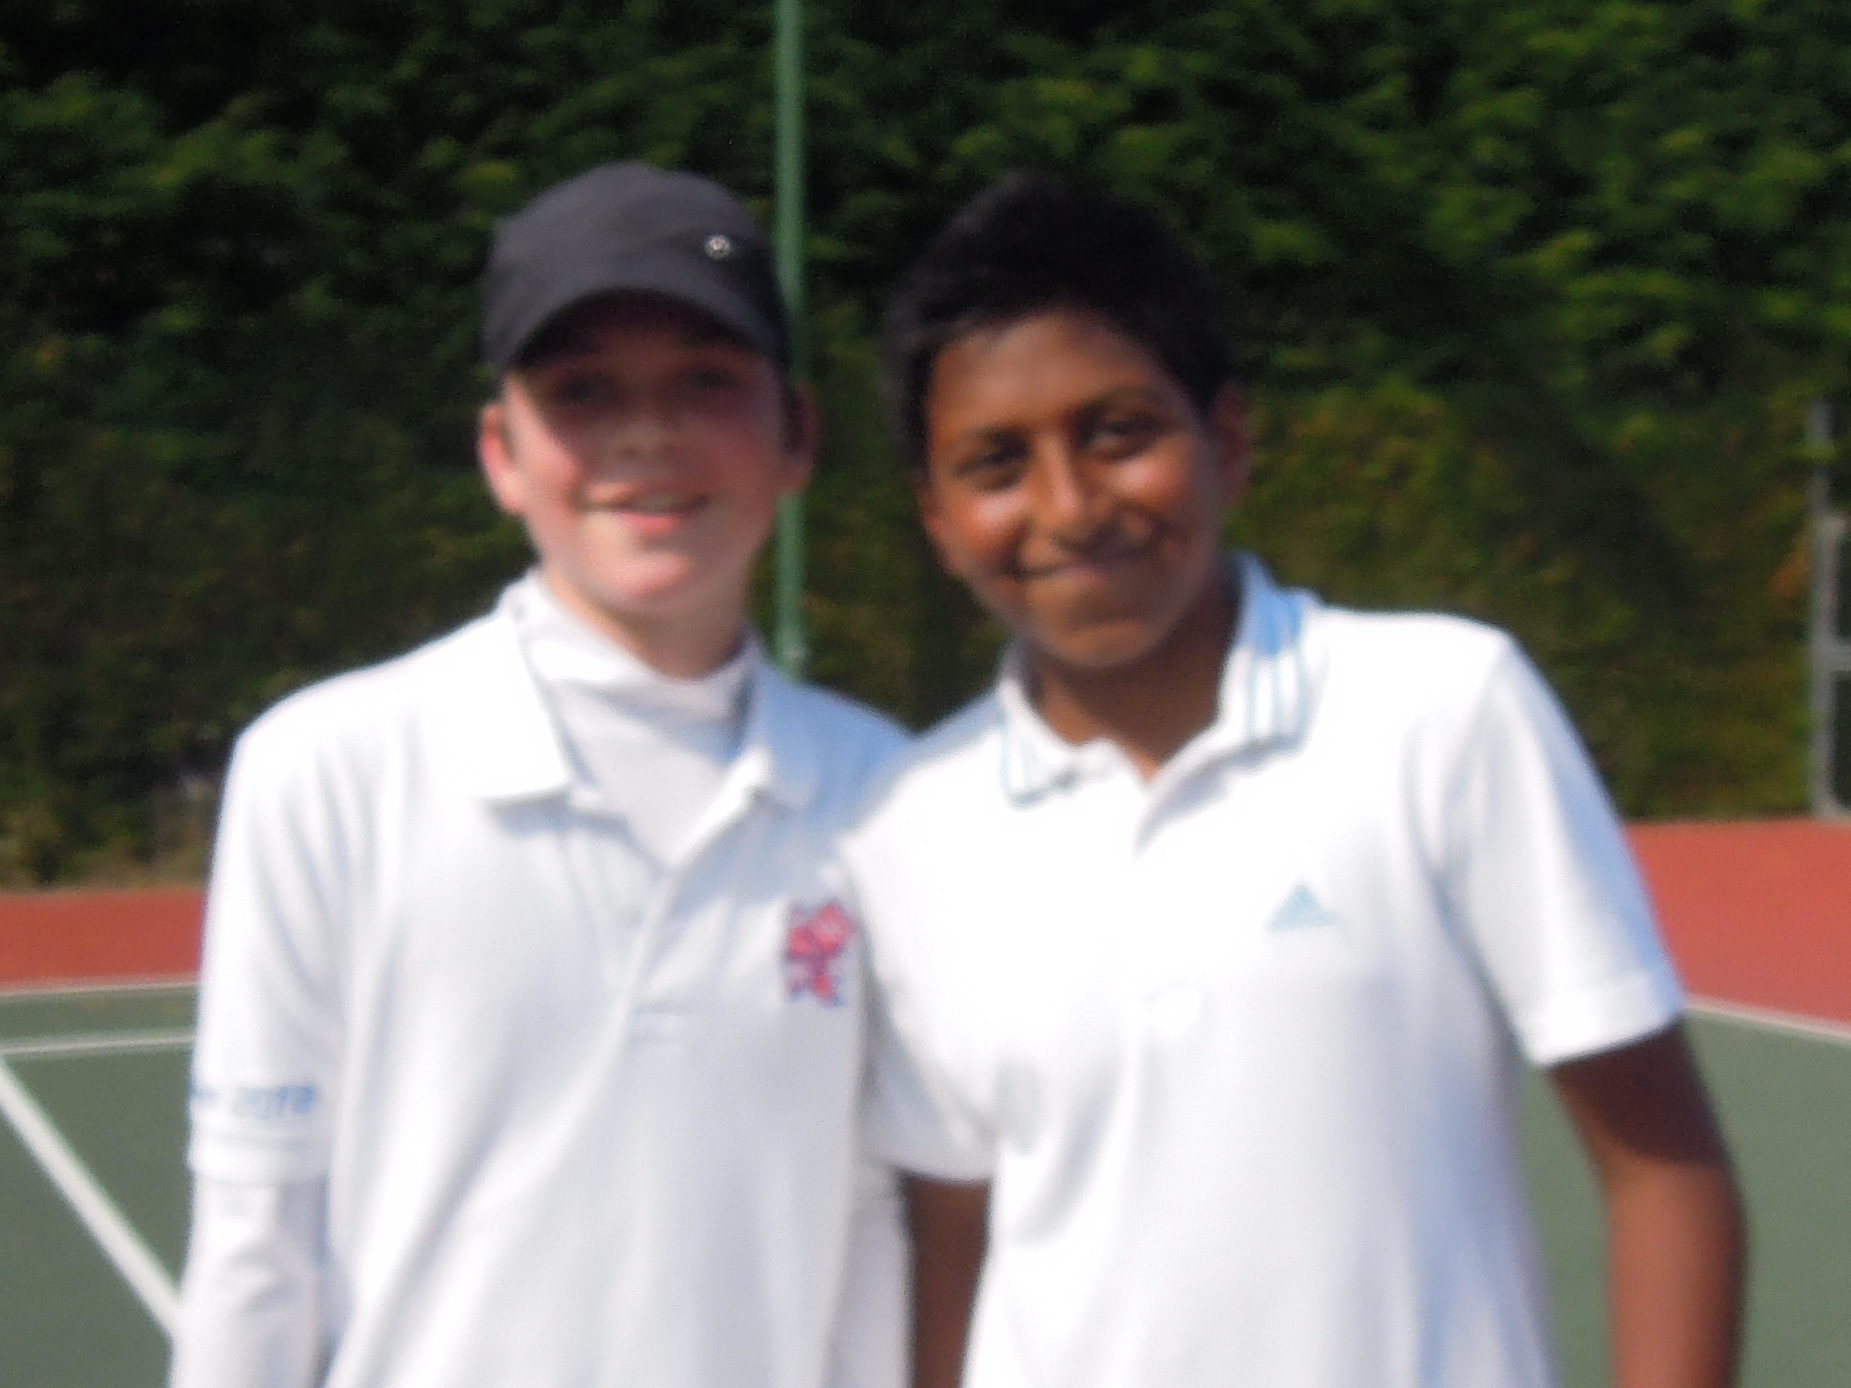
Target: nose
1069 503
640 434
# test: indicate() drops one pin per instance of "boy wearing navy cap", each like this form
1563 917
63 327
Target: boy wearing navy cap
530 1037
1260 903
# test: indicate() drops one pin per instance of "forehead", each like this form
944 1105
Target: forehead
1051 359
610 321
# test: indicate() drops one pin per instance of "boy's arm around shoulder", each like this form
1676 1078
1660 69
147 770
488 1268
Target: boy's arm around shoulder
853 747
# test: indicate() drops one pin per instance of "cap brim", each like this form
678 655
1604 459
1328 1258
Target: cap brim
668 277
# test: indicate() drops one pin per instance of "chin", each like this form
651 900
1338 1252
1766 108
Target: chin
661 585
1098 652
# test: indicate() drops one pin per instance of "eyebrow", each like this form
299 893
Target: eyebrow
1138 397
1127 395
1113 397
984 438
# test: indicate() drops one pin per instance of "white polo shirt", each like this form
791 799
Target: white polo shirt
1238 1046
580 1123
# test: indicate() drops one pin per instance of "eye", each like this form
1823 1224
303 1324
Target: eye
713 379
994 467
1123 433
579 390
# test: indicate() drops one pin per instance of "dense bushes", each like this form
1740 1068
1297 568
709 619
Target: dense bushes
1531 301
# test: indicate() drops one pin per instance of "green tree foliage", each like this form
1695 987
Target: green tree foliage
1530 298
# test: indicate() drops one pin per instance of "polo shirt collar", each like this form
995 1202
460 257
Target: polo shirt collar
778 755
516 753
1035 758
1266 686
1264 700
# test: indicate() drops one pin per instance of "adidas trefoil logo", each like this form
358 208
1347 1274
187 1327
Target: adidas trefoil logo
1302 911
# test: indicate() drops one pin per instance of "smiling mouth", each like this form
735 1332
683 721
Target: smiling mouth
659 504
1095 559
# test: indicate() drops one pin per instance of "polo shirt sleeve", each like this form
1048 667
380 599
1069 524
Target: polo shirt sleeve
251 1300
1543 881
914 1118
268 1047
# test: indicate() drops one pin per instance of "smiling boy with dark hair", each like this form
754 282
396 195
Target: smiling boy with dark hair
530 1043
1215 1028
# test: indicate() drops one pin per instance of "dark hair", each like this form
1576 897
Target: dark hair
1030 242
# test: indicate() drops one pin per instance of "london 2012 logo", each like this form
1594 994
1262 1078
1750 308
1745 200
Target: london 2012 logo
813 951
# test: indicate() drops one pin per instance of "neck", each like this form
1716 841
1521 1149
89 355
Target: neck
1151 706
678 646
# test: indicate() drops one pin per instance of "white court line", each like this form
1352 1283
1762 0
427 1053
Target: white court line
98 1043
171 984
113 1233
1771 1019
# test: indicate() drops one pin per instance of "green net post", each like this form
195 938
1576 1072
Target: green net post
790 640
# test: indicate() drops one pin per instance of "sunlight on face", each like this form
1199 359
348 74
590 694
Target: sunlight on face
646 451
1072 483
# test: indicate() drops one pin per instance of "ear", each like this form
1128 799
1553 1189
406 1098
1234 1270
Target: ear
1233 445
803 436
495 453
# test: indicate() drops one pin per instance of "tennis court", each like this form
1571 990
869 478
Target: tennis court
93 1081
93 1087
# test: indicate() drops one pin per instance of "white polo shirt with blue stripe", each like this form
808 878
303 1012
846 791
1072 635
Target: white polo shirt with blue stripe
1239 1047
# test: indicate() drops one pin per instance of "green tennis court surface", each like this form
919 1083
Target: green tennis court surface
1786 1104
105 1070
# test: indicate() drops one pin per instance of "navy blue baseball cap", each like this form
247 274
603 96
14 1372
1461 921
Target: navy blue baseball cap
631 229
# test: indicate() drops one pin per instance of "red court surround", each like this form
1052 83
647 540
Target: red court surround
1756 913
73 937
